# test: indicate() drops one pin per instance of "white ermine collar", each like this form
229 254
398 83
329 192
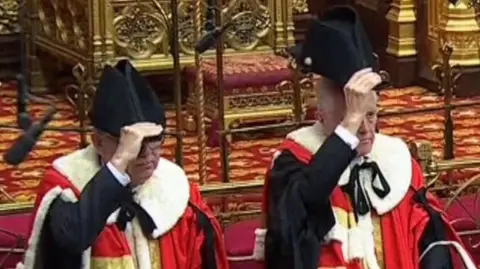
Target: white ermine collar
164 196
391 154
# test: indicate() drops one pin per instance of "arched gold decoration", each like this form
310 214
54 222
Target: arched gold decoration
186 27
63 22
138 30
79 23
251 21
46 14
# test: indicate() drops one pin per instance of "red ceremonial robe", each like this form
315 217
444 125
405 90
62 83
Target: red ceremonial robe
389 236
166 198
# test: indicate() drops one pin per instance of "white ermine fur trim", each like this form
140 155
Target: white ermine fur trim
391 154
394 160
33 242
357 242
259 247
164 196
141 246
467 261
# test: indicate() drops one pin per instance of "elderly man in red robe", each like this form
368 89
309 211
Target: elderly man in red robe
117 203
340 195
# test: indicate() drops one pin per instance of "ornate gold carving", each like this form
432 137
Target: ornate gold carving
139 30
300 6
251 21
73 91
434 11
459 27
9 16
63 22
254 104
186 33
474 3
401 35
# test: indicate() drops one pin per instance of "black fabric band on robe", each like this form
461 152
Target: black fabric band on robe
354 188
439 257
208 247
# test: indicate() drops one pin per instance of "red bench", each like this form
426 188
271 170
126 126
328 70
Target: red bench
239 237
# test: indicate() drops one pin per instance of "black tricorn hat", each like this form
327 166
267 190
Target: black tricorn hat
336 46
123 97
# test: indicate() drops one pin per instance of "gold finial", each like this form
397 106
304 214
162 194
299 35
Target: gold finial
447 77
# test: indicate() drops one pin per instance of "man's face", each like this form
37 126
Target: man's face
366 133
145 164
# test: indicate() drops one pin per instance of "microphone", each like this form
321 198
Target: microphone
23 119
25 143
210 38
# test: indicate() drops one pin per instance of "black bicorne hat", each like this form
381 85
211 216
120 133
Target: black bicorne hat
124 97
336 46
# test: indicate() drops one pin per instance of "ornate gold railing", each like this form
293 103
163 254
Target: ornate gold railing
438 173
460 197
217 190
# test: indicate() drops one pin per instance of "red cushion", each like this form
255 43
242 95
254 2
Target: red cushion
13 234
240 238
12 227
239 242
246 265
460 212
245 72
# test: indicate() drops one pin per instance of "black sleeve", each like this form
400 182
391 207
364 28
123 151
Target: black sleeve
75 226
438 257
299 210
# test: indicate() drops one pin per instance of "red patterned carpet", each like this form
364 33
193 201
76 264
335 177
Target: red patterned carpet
249 158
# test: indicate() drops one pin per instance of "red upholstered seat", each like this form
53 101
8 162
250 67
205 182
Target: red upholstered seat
463 211
13 238
464 214
239 243
257 90
239 237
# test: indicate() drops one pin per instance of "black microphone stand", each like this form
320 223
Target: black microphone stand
24 121
177 81
216 31
173 30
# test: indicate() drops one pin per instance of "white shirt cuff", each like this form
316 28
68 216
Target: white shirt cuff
122 178
347 137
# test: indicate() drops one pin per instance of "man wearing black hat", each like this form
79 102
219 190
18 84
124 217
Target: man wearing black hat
117 203
338 194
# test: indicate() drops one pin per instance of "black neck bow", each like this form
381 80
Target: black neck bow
354 188
129 209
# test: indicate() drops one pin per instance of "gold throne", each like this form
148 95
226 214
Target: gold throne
98 32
